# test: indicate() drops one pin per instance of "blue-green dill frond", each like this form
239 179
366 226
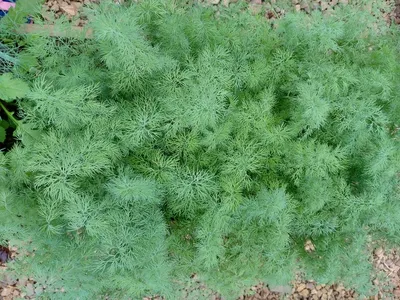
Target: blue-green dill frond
130 189
190 191
65 109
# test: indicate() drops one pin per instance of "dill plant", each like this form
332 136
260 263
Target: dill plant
176 142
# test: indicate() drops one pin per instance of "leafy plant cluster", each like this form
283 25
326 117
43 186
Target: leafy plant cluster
13 66
177 141
10 89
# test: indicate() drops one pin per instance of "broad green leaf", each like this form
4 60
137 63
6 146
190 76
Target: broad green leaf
12 88
4 124
26 61
2 134
17 15
29 135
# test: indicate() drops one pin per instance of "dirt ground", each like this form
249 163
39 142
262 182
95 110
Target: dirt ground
386 264
385 278
272 9
386 261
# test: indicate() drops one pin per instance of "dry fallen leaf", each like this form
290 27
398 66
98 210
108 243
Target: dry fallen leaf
6 292
300 287
77 5
379 252
305 293
71 10
309 246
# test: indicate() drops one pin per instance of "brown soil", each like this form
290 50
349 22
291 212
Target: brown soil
271 9
72 10
386 279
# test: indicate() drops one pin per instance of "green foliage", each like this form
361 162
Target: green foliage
12 88
177 142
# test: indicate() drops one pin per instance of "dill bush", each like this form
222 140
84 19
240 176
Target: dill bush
176 142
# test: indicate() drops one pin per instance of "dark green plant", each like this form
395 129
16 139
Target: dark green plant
177 142
10 89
